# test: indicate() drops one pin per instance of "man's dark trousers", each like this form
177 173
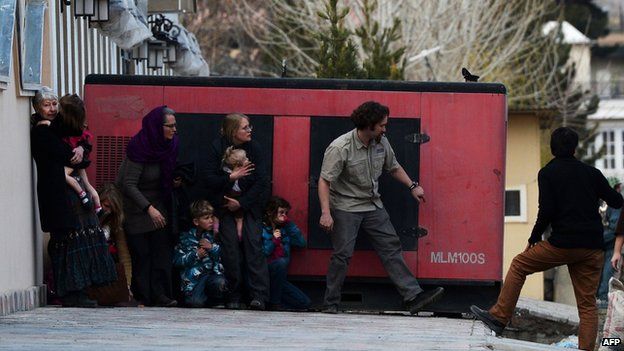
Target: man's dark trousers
376 224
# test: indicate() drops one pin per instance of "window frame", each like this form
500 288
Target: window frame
24 33
6 79
522 218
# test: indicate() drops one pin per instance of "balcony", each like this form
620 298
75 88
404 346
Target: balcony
611 89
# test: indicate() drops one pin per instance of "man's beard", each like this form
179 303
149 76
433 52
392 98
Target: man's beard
378 139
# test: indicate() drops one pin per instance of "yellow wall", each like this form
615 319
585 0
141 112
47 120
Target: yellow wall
523 163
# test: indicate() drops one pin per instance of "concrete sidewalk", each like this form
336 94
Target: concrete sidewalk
120 329
556 312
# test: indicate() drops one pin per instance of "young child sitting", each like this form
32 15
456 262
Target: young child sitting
199 258
234 158
278 235
72 104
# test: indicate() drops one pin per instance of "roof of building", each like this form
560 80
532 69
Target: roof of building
609 109
571 35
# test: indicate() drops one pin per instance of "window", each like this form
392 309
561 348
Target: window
7 24
32 44
608 140
515 204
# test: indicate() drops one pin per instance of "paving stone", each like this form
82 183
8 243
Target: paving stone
122 329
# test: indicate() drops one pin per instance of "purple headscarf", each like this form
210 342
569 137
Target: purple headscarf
150 146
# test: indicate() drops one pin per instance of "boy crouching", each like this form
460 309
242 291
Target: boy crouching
199 258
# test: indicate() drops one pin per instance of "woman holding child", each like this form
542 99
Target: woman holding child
252 185
146 181
77 246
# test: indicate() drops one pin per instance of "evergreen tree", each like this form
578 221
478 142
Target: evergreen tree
381 61
337 56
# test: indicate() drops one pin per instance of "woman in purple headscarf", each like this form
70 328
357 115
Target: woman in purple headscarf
146 181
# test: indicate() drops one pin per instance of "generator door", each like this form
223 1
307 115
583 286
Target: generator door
401 206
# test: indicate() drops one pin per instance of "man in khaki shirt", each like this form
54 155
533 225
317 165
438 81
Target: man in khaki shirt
349 196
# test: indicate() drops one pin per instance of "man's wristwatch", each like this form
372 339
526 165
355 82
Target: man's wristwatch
414 185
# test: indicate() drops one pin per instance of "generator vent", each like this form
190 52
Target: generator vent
111 151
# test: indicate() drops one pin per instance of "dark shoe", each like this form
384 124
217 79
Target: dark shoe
424 298
78 299
275 307
164 301
85 202
257 305
70 300
485 317
85 301
330 309
234 305
130 303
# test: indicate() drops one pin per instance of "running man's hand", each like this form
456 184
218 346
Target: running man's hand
419 194
529 246
326 222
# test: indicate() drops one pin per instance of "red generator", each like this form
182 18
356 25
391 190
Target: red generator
449 136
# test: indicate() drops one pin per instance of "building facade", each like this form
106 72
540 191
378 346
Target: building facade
43 43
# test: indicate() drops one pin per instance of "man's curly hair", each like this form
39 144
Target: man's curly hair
368 114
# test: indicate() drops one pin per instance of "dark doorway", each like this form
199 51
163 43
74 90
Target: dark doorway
401 207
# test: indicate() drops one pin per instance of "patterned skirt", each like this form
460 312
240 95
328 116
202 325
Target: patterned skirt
80 256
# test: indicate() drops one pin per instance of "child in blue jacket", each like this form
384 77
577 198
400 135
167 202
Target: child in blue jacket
200 259
278 235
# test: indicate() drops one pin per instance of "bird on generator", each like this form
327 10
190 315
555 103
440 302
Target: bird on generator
469 77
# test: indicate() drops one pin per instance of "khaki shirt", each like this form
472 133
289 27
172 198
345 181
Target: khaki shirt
353 171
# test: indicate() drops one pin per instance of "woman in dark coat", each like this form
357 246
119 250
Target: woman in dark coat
254 184
77 246
146 182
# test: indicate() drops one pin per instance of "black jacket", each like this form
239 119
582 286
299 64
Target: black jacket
255 188
51 154
569 191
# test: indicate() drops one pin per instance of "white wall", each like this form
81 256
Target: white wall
17 242
581 56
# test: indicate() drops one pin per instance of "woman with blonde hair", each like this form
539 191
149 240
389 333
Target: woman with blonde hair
253 183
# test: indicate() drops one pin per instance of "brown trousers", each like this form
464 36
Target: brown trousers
584 266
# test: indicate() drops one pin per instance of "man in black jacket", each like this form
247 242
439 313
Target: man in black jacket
569 191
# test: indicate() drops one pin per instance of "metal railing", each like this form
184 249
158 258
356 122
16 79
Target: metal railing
611 89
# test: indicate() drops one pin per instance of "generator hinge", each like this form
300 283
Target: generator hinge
417 138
